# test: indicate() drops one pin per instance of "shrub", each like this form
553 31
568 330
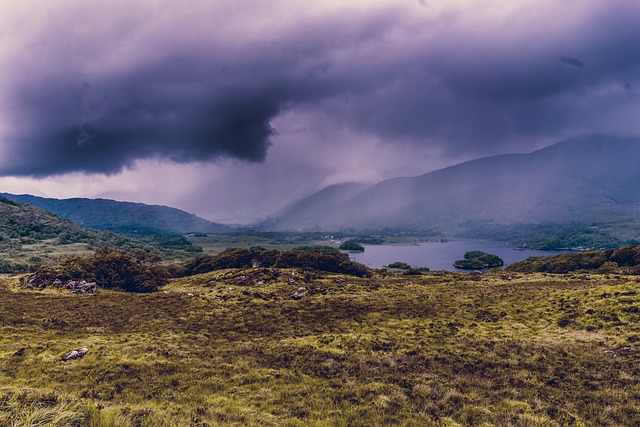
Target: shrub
335 263
400 265
565 263
477 260
110 269
246 258
352 245
415 271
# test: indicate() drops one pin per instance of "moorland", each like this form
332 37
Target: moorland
283 343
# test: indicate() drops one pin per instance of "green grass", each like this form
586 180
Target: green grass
440 349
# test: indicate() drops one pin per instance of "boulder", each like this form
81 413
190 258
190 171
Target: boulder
81 287
75 354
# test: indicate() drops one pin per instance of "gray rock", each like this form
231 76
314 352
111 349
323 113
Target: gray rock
75 354
81 287
622 351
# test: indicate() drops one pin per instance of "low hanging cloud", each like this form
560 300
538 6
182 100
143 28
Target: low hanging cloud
95 90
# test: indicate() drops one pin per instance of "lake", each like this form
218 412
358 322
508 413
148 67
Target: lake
440 256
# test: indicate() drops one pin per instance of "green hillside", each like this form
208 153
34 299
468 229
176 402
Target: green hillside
30 235
127 218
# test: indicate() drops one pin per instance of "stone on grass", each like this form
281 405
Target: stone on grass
75 354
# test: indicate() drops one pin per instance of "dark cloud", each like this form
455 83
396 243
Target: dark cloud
171 109
205 90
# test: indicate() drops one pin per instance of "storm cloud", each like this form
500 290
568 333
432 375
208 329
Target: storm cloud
95 88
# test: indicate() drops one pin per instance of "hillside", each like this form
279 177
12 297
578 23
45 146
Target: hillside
31 235
233 347
122 217
320 204
586 179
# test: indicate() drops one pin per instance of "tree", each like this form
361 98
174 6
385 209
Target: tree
477 260
352 245
399 265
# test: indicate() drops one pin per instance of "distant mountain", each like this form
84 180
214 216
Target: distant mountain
320 204
594 178
122 217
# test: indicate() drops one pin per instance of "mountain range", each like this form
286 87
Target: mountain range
122 217
590 178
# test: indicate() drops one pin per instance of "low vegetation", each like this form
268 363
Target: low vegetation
234 347
623 260
399 265
258 257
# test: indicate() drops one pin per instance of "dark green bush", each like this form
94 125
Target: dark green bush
604 261
110 269
246 258
335 263
352 245
477 260
400 265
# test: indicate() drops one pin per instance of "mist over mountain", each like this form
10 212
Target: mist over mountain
121 217
590 178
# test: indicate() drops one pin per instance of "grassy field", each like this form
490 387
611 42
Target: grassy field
232 347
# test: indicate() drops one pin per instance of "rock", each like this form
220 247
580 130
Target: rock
300 290
296 296
292 280
82 287
244 281
586 277
622 351
75 354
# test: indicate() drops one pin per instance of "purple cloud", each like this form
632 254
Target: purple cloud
95 90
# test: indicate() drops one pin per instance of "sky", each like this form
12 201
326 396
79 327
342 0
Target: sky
232 110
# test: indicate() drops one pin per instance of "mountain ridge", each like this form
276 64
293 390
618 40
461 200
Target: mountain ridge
587 178
121 217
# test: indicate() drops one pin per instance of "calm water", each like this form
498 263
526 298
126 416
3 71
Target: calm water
439 256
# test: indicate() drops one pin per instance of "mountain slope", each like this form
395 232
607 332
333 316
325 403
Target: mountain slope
122 217
29 234
321 203
587 179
